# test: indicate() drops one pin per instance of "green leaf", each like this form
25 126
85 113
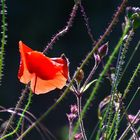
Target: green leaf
84 88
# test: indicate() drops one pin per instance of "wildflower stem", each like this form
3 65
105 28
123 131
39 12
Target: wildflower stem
107 32
70 129
65 29
20 119
79 99
87 23
131 57
129 127
131 81
90 76
111 58
119 66
125 110
3 37
23 94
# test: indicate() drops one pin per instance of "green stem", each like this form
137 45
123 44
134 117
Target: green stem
131 81
127 107
17 106
130 59
20 119
3 39
116 80
109 62
107 32
129 126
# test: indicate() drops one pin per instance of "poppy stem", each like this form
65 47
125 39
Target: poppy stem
35 83
87 24
64 30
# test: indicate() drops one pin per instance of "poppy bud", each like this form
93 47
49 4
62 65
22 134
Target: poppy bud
80 75
103 50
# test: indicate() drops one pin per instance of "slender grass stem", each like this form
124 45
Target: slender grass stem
4 36
109 62
131 81
23 94
20 119
79 99
107 32
129 127
125 110
116 80
130 59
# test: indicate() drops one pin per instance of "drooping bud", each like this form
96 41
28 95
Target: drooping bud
80 75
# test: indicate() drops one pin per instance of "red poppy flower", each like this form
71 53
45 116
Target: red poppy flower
43 73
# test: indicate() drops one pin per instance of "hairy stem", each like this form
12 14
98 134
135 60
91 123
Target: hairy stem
131 81
129 127
107 32
23 94
65 30
20 119
79 99
4 36
109 62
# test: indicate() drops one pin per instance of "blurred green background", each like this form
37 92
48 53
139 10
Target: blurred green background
35 23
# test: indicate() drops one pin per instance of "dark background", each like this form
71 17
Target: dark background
35 22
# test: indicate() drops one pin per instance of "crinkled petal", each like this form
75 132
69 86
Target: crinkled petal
40 86
42 66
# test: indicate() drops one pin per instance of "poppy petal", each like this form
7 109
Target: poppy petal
44 73
23 73
42 66
40 86
63 60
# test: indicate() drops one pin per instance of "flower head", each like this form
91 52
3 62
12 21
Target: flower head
43 73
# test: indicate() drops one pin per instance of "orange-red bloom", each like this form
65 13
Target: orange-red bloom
43 73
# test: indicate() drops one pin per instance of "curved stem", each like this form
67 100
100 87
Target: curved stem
64 30
129 127
17 106
109 62
20 119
